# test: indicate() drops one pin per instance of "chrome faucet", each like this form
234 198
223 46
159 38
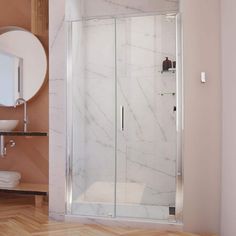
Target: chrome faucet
25 121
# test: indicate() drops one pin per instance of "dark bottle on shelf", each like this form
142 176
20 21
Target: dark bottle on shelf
166 65
174 64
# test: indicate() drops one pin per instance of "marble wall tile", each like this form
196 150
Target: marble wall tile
57 109
150 139
76 9
93 104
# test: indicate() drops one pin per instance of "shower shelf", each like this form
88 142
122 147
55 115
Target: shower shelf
21 133
169 93
168 71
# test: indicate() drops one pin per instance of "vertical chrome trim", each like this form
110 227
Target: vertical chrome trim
179 119
18 80
21 78
116 120
69 138
122 118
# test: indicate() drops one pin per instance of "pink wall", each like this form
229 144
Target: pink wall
228 216
202 105
30 156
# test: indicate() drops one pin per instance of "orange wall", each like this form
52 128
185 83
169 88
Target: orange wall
30 156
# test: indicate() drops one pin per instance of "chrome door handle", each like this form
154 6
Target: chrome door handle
19 84
122 118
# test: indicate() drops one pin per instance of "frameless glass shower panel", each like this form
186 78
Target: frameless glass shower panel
124 114
146 128
93 91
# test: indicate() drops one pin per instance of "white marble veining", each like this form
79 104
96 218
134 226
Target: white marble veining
78 9
57 109
149 142
93 104
133 49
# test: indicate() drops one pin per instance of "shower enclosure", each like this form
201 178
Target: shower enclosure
125 112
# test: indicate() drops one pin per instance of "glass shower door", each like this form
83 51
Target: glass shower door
146 108
123 112
93 117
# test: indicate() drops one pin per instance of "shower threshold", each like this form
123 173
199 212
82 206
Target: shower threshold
129 215
145 211
126 222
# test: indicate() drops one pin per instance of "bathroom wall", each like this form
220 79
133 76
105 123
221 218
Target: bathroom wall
202 108
228 36
202 113
30 156
57 108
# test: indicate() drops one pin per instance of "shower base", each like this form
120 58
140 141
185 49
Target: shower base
126 222
122 210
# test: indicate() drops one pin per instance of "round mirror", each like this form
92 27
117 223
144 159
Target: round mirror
23 65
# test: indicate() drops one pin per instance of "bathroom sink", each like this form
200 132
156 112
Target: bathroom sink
8 125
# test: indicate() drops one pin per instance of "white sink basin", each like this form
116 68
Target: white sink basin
8 125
